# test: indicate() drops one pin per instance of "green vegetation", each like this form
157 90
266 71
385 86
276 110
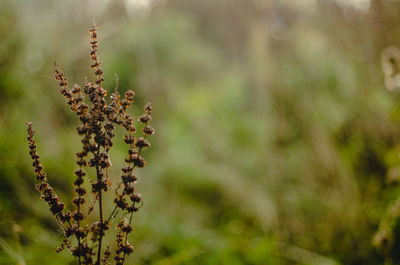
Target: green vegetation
275 132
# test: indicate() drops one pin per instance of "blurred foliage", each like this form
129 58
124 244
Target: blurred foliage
275 132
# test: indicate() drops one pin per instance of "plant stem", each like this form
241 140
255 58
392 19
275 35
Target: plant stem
131 214
79 240
100 209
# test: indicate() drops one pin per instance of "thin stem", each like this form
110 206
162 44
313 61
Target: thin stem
101 229
79 244
100 209
131 214
79 209
126 234
112 213
129 164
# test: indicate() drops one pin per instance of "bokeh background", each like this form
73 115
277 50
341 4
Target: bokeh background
276 139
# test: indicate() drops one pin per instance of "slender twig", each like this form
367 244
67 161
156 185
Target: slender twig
100 209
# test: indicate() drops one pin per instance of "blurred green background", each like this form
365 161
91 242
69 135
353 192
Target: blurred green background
274 131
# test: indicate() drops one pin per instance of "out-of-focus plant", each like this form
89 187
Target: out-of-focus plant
386 239
391 67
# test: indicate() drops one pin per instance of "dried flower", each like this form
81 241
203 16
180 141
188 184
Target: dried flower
98 119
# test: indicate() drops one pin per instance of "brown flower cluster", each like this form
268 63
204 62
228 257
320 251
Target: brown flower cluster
98 120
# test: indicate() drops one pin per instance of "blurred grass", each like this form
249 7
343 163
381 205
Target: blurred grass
274 130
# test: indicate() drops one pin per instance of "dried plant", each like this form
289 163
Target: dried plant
98 120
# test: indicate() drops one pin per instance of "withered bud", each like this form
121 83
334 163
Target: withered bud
128 178
80 173
129 139
145 118
138 161
120 202
78 216
108 126
129 96
136 197
148 130
80 190
129 189
76 89
142 143
148 108
78 201
57 208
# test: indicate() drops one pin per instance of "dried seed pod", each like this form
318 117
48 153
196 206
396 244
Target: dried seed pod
98 120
